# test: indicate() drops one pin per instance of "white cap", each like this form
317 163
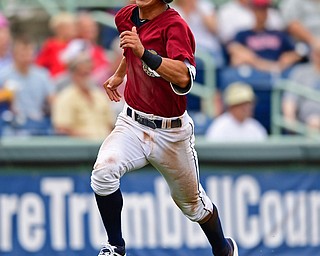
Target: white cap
75 52
237 93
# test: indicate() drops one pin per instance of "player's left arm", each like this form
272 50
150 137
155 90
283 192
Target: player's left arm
175 72
178 73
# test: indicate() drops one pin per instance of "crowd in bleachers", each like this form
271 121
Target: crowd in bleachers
56 89
261 42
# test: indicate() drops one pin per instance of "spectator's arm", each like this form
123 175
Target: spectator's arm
239 54
210 21
289 109
50 99
50 92
287 59
297 30
292 15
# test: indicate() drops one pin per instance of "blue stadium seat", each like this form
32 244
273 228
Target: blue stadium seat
4 106
261 83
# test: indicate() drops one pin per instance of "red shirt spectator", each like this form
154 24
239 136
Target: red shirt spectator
63 27
49 56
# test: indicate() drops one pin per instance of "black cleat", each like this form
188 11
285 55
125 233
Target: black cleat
110 250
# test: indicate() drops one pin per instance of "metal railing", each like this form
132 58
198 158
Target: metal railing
207 90
278 122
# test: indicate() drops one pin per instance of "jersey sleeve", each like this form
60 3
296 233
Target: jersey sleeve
122 17
192 73
180 42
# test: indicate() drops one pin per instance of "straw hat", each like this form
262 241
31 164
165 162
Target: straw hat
237 93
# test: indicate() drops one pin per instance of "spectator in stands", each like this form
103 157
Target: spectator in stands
302 19
88 30
5 40
261 48
237 124
5 60
81 109
301 109
64 30
201 17
33 90
235 16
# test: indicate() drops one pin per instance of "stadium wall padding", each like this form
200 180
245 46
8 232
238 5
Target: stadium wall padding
268 196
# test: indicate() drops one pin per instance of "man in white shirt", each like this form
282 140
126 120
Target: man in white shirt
237 124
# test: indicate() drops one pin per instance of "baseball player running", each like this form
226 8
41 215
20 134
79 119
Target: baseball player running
154 126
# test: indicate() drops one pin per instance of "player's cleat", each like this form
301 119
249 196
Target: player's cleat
234 246
110 250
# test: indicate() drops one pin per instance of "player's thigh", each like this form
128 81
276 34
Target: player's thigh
121 151
175 157
180 170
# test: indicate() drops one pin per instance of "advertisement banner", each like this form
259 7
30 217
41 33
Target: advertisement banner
269 213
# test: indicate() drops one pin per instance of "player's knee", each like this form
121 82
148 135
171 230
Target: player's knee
105 179
197 211
192 216
189 210
198 216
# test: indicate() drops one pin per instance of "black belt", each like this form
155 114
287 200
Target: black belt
154 123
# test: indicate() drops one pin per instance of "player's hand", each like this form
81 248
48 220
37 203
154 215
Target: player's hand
130 39
111 88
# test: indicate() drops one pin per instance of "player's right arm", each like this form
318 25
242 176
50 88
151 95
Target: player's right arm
111 85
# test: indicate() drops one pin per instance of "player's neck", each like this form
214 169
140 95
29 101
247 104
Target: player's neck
150 12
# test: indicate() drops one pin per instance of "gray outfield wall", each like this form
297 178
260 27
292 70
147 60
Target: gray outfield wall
63 150
268 196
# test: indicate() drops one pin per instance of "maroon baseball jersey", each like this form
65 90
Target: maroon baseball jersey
169 36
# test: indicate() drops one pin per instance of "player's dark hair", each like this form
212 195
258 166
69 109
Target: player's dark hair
167 1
